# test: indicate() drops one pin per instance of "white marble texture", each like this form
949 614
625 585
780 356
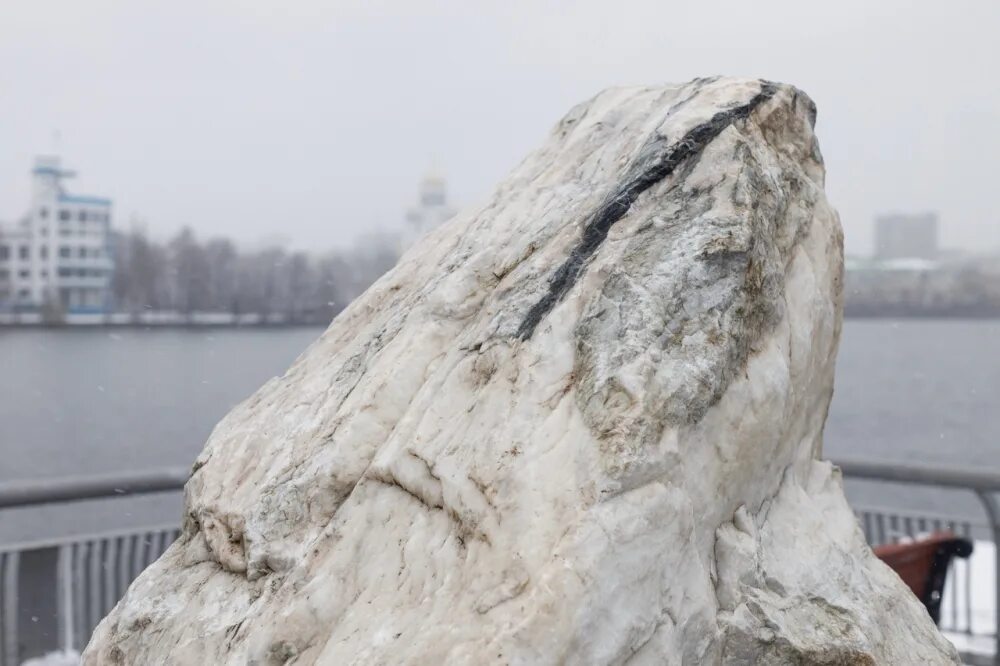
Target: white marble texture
579 425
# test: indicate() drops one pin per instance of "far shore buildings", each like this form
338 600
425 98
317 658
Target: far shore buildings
58 256
910 275
432 210
906 236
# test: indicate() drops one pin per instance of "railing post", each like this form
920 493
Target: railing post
11 573
65 588
989 501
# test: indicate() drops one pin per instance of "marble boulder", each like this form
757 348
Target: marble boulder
581 424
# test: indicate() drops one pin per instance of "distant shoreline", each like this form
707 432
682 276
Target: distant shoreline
915 314
164 319
151 326
216 324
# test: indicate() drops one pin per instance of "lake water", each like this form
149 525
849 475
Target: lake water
93 401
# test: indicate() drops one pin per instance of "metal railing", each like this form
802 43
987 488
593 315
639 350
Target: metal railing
88 575
77 581
33 492
53 592
886 526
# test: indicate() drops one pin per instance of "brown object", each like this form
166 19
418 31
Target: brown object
923 565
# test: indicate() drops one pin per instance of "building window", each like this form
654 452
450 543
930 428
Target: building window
45 273
45 231
24 274
4 274
43 252
23 251
43 212
64 215
82 252
65 272
23 294
82 216
4 252
64 252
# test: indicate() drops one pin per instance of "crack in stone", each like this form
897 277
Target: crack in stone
655 162
464 528
388 479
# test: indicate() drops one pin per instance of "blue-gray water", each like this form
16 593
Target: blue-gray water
91 401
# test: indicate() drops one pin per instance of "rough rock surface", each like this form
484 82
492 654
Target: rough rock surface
579 425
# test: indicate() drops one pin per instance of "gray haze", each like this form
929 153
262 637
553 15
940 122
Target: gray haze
312 121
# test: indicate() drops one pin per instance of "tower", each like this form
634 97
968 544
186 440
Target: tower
431 211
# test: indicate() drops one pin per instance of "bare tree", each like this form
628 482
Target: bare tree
190 273
188 276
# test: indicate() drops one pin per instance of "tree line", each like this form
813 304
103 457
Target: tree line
188 275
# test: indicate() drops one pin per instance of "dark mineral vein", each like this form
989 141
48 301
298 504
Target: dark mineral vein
654 163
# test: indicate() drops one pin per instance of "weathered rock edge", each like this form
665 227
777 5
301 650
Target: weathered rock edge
580 424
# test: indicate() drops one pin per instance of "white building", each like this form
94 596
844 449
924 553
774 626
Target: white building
59 255
431 211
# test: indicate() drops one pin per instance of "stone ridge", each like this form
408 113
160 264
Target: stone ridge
700 282
657 159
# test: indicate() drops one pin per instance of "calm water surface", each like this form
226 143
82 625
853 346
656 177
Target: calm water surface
91 401
86 401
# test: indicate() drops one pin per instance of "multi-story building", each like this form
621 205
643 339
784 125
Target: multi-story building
431 211
906 236
58 256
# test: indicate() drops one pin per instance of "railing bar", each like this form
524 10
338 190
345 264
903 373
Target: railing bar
136 562
135 557
109 571
64 583
954 588
78 538
992 508
124 560
161 544
67 489
94 586
79 602
921 514
3 595
149 552
967 570
895 472
908 527
10 576
880 521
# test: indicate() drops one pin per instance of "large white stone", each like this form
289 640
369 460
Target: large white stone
579 425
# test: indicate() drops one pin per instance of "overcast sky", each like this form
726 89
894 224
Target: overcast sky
312 121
